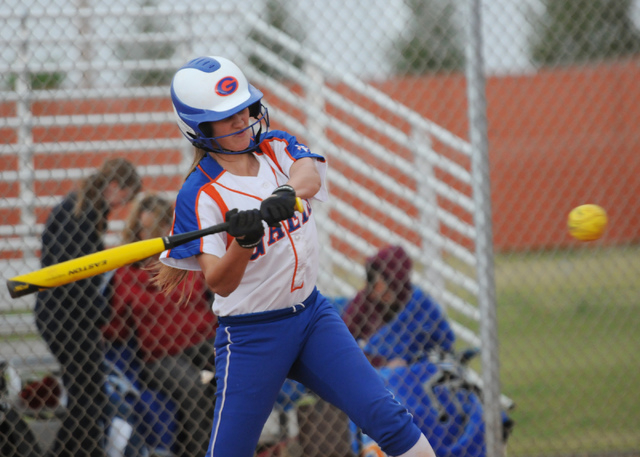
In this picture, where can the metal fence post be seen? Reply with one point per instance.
(477, 106)
(26, 169)
(316, 127)
(431, 253)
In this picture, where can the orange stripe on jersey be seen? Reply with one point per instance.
(199, 167)
(295, 268)
(266, 148)
(238, 192)
(213, 193)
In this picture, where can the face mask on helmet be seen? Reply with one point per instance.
(209, 89)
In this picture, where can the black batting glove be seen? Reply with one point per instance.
(278, 206)
(245, 226)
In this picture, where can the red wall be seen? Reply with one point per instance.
(557, 139)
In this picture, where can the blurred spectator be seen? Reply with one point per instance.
(398, 325)
(69, 317)
(173, 342)
(393, 320)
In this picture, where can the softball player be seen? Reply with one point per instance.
(274, 323)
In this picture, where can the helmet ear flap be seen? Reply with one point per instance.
(206, 128)
(254, 110)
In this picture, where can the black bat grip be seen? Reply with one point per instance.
(171, 242)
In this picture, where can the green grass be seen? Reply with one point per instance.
(569, 332)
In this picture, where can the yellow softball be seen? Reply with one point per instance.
(587, 222)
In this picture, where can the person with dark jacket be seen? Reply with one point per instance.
(69, 317)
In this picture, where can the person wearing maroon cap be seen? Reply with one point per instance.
(394, 321)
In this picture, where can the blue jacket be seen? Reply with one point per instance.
(420, 327)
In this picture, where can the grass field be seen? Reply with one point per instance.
(569, 331)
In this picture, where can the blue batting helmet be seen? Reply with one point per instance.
(209, 89)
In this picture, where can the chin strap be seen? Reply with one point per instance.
(244, 151)
(207, 143)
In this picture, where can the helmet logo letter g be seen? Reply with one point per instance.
(226, 86)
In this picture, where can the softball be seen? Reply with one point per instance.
(587, 222)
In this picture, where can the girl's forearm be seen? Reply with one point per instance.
(223, 274)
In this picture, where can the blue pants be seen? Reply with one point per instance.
(308, 343)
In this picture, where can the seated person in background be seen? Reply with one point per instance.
(398, 325)
(394, 321)
(173, 341)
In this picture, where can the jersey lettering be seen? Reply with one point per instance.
(258, 251)
(306, 213)
(293, 224)
(277, 233)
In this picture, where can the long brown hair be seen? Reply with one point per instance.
(91, 190)
(166, 277)
(162, 211)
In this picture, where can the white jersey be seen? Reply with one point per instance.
(284, 266)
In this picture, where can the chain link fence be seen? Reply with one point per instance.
(382, 89)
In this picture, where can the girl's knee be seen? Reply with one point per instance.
(422, 448)
(391, 426)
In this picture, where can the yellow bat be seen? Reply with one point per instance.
(103, 261)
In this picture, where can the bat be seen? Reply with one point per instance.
(106, 260)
